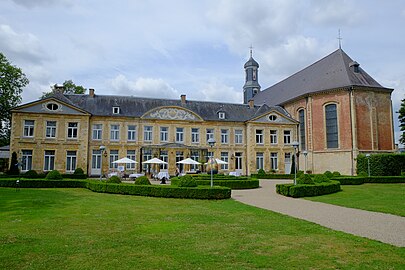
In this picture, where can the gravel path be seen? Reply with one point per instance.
(386, 228)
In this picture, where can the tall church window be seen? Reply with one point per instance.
(331, 126)
(301, 116)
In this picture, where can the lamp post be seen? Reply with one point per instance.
(295, 145)
(368, 164)
(102, 149)
(305, 152)
(211, 142)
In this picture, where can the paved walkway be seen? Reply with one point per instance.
(386, 228)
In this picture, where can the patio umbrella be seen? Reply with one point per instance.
(219, 162)
(189, 161)
(154, 161)
(125, 160)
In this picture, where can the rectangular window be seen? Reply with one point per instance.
(179, 135)
(273, 136)
(332, 135)
(97, 131)
(113, 157)
(131, 154)
(259, 160)
(238, 161)
(194, 155)
(221, 115)
(72, 130)
(209, 154)
(287, 157)
(274, 161)
(224, 136)
(96, 159)
(238, 136)
(115, 133)
(50, 129)
(301, 116)
(259, 136)
(195, 135)
(26, 160)
(147, 133)
(224, 157)
(164, 134)
(116, 110)
(287, 136)
(131, 133)
(49, 160)
(164, 156)
(179, 156)
(147, 154)
(29, 128)
(210, 133)
(71, 161)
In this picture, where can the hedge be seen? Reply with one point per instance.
(273, 176)
(230, 183)
(130, 189)
(381, 164)
(355, 180)
(201, 192)
(297, 191)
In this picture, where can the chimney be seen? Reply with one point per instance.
(58, 88)
(183, 99)
(91, 92)
(251, 103)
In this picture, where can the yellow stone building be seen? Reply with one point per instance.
(65, 132)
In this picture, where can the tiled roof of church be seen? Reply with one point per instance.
(101, 105)
(336, 70)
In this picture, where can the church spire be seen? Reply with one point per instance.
(251, 87)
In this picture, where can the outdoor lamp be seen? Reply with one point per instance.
(295, 145)
(211, 143)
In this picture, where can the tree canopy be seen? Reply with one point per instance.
(401, 119)
(12, 82)
(69, 87)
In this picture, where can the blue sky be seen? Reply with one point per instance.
(198, 48)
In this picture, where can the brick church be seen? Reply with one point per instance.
(333, 108)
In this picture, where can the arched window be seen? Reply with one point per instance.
(332, 133)
(301, 116)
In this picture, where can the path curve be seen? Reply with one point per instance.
(386, 228)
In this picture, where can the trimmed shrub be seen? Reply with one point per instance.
(350, 180)
(328, 174)
(235, 183)
(321, 178)
(305, 179)
(187, 181)
(31, 174)
(261, 172)
(79, 171)
(13, 165)
(297, 191)
(54, 175)
(273, 176)
(381, 164)
(336, 174)
(114, 179)
(356, 180)
(74, 176)
(142, 180)
(41, 183)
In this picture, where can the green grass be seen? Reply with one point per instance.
(80, 229)
(385, 198)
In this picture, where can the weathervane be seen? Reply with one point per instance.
(251, 49)
(340, 40)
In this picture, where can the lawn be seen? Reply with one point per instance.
(80, 229)
(385, 198)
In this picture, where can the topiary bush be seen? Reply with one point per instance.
(143, 180)
(260, 173)
(297, 191)
(321, 178)
(54, 175)
(31, 174)
(336, 174)
(381, 164)
(328, 174)
(79, 171)
(13, 165)
(114, 179)
(187, 181)
(305, 179)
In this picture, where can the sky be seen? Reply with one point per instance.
(166, 48)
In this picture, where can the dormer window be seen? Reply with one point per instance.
(221, 115)
(52, 106)
(116, 110)
(272, 117)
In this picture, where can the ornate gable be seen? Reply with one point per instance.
(275, 118)
(172, 113)
(50, 106)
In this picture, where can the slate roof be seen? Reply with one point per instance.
(251, 62)
(101, 105)
(331, 72)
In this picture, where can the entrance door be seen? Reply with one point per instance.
(238, 162)
(96, 162)
(179, 157)
(287, 163)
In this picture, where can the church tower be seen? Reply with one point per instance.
(251, 87)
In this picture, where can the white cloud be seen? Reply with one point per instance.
(142, 87)
(218, 91)
(334, 12)
(41, 3)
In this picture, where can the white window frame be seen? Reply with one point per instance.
(131, 133)
(210, 133)
(273, 136)
(71, 161)
(49, 160)
(221, 115)
(72, 131)
(259, 160)
(238, 136)
(287, 136)
(131, 154)
(29, 128)
(26, 160)
(113, 157)
(274, 161)
(224, 136)
(195, 135)
(179, 134)
(114, 132)
(259, 136)
(116, 110)
(50, 131)
(224, 157)
(147, 133)
(97, 132)
(164, 134)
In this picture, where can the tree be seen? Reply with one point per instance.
(69, 87)
(12, 81)
(401, 118)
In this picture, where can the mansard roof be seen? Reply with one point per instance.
(337, 70)
(130, 106)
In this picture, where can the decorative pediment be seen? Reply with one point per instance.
(274, 118)
(50, 106)
(172, 113)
